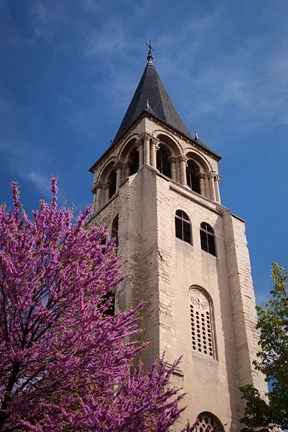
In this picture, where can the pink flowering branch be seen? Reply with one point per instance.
(65, 363)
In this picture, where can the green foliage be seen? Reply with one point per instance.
(272, 360)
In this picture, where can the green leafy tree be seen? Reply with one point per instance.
(260, 415)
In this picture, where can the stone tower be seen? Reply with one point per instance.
(156, 190)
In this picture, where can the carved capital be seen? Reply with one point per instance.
(147, 136)
(172, 159)
(212, 174)
(139, 144)
(96, 185)
(202, 175)
(118, 165)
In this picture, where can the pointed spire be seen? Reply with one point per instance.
(149, 56)
(151, 96)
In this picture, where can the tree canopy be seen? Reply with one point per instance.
(272, 361)
(66, 364)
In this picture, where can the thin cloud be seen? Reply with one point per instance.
(40, 181)
(107, 40)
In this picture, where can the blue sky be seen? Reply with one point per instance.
(69, 70)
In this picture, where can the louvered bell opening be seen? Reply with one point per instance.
(178, 228)
(193, 180)
(134, 162)
(211, 244)
(163, 164)
(204, 240)
(186, 232)
(112, 184)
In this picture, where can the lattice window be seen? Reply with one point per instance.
(201, 323)
(183, 226)
(192, 174)
(163, 163)
(133, 161)
(208, 422)
(207, 237)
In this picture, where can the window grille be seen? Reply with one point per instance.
(201, 323)
(163, 164)
(207, 237)
(133, 161)
(207, 419)
(183, 226)
(192, 174)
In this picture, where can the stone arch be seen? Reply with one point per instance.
(202, 322)
(170, 143)
(126, 148)
(108, 167)
(108, 178)
(200, 160)
(197, 169)
(206, 419)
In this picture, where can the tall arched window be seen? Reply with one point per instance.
(202, 325)
(192, 174)
(207, 237)
(114, 232)
(112, 183)
(206, 419)
(163, 164)
(183, 226)
(133, 161)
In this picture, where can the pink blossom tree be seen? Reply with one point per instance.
(65, 363)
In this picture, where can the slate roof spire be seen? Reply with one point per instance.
(151, 89)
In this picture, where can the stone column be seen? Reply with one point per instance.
(140, 153)
(118, 175)
(206, 185)
(183, 162)
(97, 190)
(217, 190)
(202, 183)
(211, 176)
(106, 193)
(146, 149)
(153, 149)
(125, 171)
(172, 160)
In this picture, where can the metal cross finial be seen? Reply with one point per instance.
(149, 56)
(149, 45)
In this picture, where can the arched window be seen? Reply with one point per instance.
(207, 237)
(183, 226)
(163, 164)
(202, 326)
(114, 232)
(112, 183)
(133, 161)
(192, 174)
(206, 419)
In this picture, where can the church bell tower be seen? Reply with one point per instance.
(156, 189)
